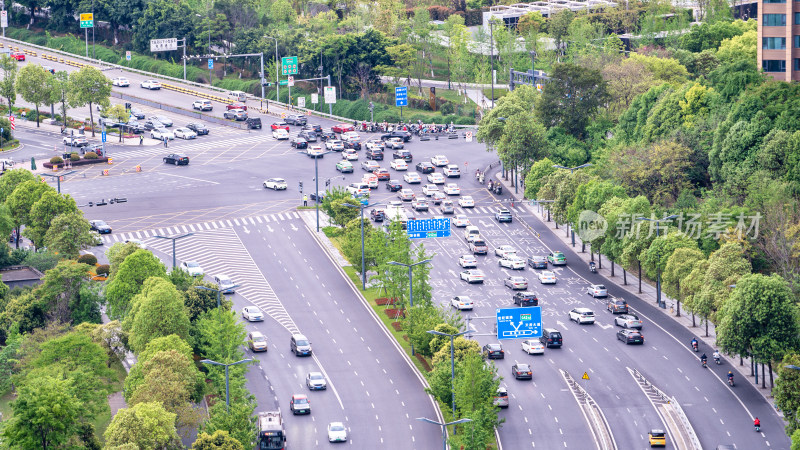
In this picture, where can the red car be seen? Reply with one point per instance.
(19, 56)
(237, 105)
(342, 128)
(278, 125)
(382, 174)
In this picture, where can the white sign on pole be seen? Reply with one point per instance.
(290, 81)
(301, 102)
(468, 135)
(315, 98)
(4, 18)
(163, 45)
(128, 55)
(330, 94)
(494, 76)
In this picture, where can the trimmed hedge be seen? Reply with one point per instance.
(87, 258)
(103, 269)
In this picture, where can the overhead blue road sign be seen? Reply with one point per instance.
(428, 228)
(104, 135)
(401, 96)
(514, 323)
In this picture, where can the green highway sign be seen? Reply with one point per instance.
(283, 82)
(289, 65)
(87, 20)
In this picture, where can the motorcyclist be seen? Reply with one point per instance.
(716, 356)
(757, 424)
(704, 359)
(490, 185)
(730, 377)
(694, 343)
(592, 266)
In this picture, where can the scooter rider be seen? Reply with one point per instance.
(694, 344)
(730, 378)
(757, 424)
(704, 359)
(592, 267)
(716, 356)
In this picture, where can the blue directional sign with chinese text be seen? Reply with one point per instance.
(401, 96)
(515, 323)
(428, 228)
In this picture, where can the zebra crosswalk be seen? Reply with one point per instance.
(219, 251)
(200, 227)
(192, 146)
(478, 210)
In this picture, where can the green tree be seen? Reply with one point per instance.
(146, 425)
(69, 233)
(220, 440)
(44, 210)
(572, 97)
(239, 420)
(655, 258)
(127, 281)
(117, 254)
(475, 386)
(525, 142)
(626, 80)
(536, 176)
(118, 114)
(21, 201)
(89, 86)
(156, 311)
(13, 178)
(199, 301)
(45, 414)
(462, 348)
(33, 84)
(221, 338)
(59, 90)
(787, 393)
(558, 26)
(69, 295)
(725, 267)
(679, 265)
(8, 84)
(417, 322)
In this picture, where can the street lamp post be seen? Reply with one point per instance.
(218, 291)
(410, 284)
(661, 304)
(173, 239)
(227, 387)
(58, 177)
(452, 362)
(362, 206)
(444, 427)
(277, 76)
(491, 55)
(316, 181)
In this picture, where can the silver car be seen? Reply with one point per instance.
(597, 290)
(316, 381)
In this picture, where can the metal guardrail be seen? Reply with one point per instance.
(181, 111)
(687, 425)
(599, 423)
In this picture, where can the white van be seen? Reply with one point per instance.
(237, 96)
(471, 232)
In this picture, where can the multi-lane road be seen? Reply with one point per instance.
(260, 239)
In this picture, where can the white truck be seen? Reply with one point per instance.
(396, 212)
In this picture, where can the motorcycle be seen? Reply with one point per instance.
(758, 428)
(705, 364)
(592, 267)
(716, 360)
(730, 381)
(694, 345)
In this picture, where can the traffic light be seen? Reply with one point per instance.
(301, 187)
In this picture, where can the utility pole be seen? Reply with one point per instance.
(491, 54)
(262, 75)
(330, 105)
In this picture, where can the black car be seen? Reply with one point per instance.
(393, 185)
(179, 159)
(308, 135)
(630, 337)
(317, 128)
(198, 128)
(374, 154)
(493, 351)
(405, 155)
(299, 142)
(152, 124)
(100, 226)
(405, 135)
(425, 167)
(325, 135)
(617, 306)
(377, 215)
(253, 123)
(138, 113)
(133, 127)
(355, 145)
(525, 299)
(295, 119)
(521, 371)
(317, 197)
(537, 262)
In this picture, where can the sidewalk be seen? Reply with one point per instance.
(632, 287)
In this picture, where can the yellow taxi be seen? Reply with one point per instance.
(657, 438)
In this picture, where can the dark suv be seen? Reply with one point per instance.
(404, 135)
(253, 123)
(493, 351)
(551, 338)
(402, 154)
(308, 135)
(377, 215)
(295, 119)
(525, 299)
(617, 306)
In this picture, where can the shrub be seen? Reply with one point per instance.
(465, 121)
(388, 116)
(447, 108)
(439, 12)
(102, 269)
(56, 160)
(90, 155)
(74, 156)
(88, 258)
(41, 260)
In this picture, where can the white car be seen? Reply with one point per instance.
(461, 221)
(150, 84)
(350, 136)
(276, 184)
(161, 133)
(582, 315)
(440, 160)
(503, 251)
(315, 151)
(452, 171)
(374, 145)
(193, 268)
(452, 189)
(472, 276)
(468, 261)
(429, 189)
(547, 277)
(252, 314)
(628, 321)
(435, 178)
(120, 82)
(337, 432)
(412, 178)
(597, 290)
(394, 143)
(334, 145)
(533, 347)
(466, 202)
(369, 166)
(405, 195)
(461, 302)
(399, 164)
(184, 133)
(513, 262)
(280, 134)
(350, 155)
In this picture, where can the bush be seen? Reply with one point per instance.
(88, 258)
(90, 155)
(103, 269)
(74, 156)
(56, 160)
(447, 108)
(465, 121)
(41, 261)
(440, 12)
(387, 116)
